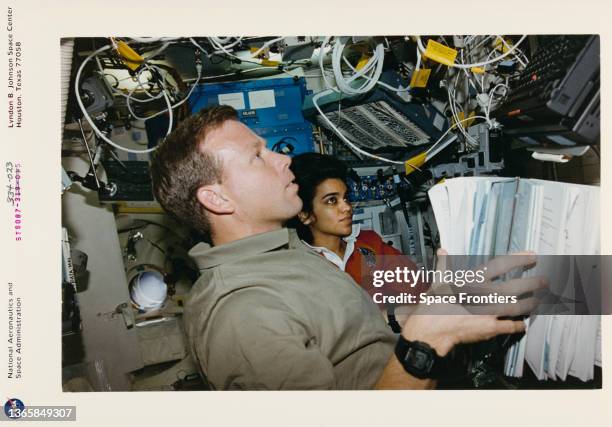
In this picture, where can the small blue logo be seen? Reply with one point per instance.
(369, 256)
(13, 408)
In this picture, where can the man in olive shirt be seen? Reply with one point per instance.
(266, 313)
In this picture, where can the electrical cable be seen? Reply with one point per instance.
(507, 46)
(353, 147)
(373, 67)
(452, 101)
(199, 47)
(91, 160)
(223, 41)
(284, 140)
(480, 43)
(430, 149)
(467, 75)
(139, 85)
(113, 76)
(491, 94)
(199, 68)
(239, 59)
(90, 120)
(153, 39)
(383, 84)
(524, 60)
(235, 73)
(321, 57)
(129, 97)
(341, 135)
(220, 47)
(149, 55)
(163, 93)
(371, 71)
(266, 45)
(421, 47)
(229, 53)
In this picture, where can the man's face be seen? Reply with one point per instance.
(256, 180)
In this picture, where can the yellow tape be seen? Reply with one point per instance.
(440, 53)
(477, 70)
(415, 162)
(362, 62)
(265, 54)
(420, 77)
(268, 63)
(130, 57)
(468, 122)
(499, 45)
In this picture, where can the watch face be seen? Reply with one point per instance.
(419, 359)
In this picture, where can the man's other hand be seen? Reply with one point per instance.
(443, 327)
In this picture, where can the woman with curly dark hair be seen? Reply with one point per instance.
(325, 223)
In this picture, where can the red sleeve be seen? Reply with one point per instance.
(372, 253)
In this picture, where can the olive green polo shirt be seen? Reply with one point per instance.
(267, 313)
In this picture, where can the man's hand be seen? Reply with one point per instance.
(443, 332)
(443, 327)
(455, 325)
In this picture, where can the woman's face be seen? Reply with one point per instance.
(332, 214)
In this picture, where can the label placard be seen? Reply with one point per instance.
(440, 53)
(420, 77)
(235, 100)
(262, 99)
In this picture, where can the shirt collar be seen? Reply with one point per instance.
(207, 256)
(332, 256)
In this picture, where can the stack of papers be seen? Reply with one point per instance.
(497, 216)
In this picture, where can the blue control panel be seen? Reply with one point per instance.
(272, 108)
(370, 188)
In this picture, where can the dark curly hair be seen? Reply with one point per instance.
(310, 170)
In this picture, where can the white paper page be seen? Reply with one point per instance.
(510, 360)
(535, 223)
(535, 353)
(503, 220)
(515, 357)
(591, 240)
(582, 201)
(523, 210)
(479, 220)
(577, 202)
(494, 206)
(438, 196)
(568, 347)
(461, 194)
(556, 332)
(519, 359)
(586, 343)
(553, 211)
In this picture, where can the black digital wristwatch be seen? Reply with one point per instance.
(418, 359)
